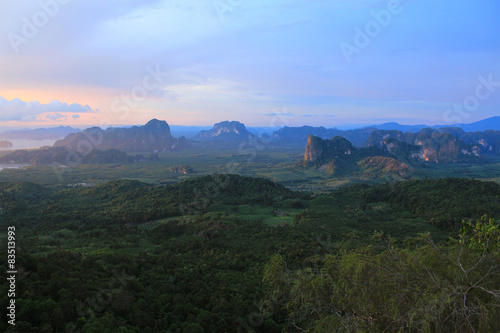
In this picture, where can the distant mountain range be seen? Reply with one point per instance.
(95, 145)
(53, 133)
(298, 135)
(358, 137)
(439, 144)
(492, 123)
(286, 135)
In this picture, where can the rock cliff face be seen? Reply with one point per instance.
(319, 150)
(229, 131)
(428, 145)
(378, 137)
(488, 141)
(314, 148)
(155, 136)
(338, 156)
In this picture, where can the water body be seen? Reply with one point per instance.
(24, 144)
(28, 144)
(12, 166)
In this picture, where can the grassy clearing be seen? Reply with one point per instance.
(277, 221)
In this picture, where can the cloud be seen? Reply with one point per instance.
(55, 116)
(264, 53)
(162, 94)
(17, 109)
(75, 116)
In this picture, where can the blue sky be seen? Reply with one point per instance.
(265, 63)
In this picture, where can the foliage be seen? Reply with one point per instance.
(199, 255)
(382, 287)
(481, 236)
(443, 201)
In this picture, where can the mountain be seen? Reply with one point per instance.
(227, 131)
(40, 133)
(442, 147)
(321, 151)
(339, 156)
(297, 135)
(399, 127)
(388, 152)
(487, 141)
(431, 145)
(155, 136)
(492, 123)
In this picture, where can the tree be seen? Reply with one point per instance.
(483, 235)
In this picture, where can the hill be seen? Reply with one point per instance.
(111, 202)
(239, 254)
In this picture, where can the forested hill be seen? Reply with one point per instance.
(129, 201)
(442, 202)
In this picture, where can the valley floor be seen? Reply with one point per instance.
(143, 247)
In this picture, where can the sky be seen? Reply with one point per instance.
(270, 63)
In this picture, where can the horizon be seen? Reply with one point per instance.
(284, 63)
(198, 127)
